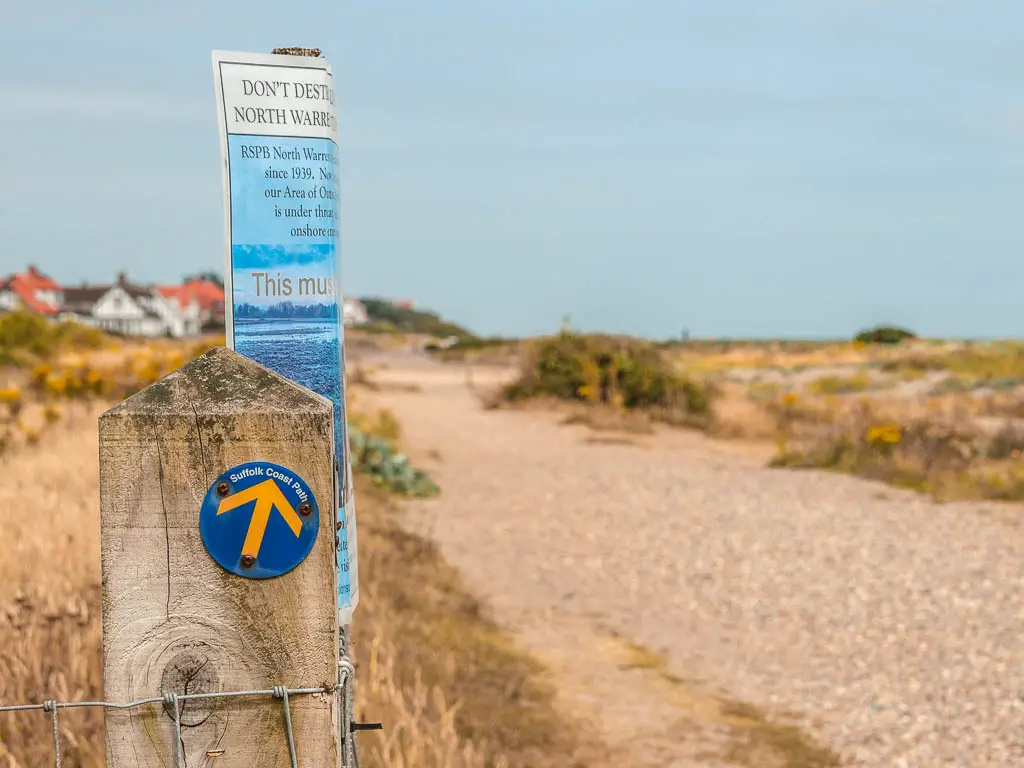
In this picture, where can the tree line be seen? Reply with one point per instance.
(288, 309)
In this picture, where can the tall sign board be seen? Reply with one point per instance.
(283, 302)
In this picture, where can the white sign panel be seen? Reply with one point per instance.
(279, 145)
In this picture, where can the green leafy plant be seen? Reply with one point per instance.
(376, 456)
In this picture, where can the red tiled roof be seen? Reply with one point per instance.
(209, 296)
(26, 287)
(177, 292)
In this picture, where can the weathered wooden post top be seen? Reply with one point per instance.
(218, 509)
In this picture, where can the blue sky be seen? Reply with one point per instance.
(270, 257)
(745, 168)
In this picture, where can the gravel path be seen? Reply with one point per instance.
(894, 624)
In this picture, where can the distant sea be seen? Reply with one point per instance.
(305, 351)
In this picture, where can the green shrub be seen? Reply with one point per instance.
(407, 320)
(375, 455)
(379, 326)
(25, 333)
(884, 334)
(602, 369)
(470, 343)
(77, 336)
(1007, 442)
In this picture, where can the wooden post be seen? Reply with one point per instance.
(174, 620)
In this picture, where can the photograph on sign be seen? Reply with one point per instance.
(279, 144)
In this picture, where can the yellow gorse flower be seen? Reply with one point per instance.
(57, 383)
(40, 374)
(10, 395)
(884, 434)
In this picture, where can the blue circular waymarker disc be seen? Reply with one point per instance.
(259, 520)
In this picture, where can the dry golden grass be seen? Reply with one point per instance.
(936, 447)
(817, 401)
(607, 419)
(976, 360)
(450, 687)
(50, 594)
(826, 405)
(840, 385)
(738, 416)
(1005, 404)
(774, 354)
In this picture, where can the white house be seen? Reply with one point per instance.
(130, 310)
(31, 290)
(180, 312)
(353, 312)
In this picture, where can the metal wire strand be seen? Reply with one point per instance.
(175, 700)
(350, 716)
(282, 693)
(156, 699)
(172, 699)
(51, 706)
(346, 675)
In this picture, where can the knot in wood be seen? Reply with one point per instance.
(190, 672)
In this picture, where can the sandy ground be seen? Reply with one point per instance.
(890, 627)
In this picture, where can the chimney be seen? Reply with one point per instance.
(33, 271)
(122, 278)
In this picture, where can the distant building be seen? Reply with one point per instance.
(31, 290)
(203, 299)
(122, 308)
(353, 312)
(132, 310)
(195, 306)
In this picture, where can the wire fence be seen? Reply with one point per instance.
(174, 701)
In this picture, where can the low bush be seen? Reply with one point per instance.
(946, 457)
(623, 373)
(1008, 442)
(384, 314)
(884, 334)
(374, 456)
(24, 335)
(467, 344)
(374, 451)
(24, 331)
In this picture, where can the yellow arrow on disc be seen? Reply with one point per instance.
(267, 496)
